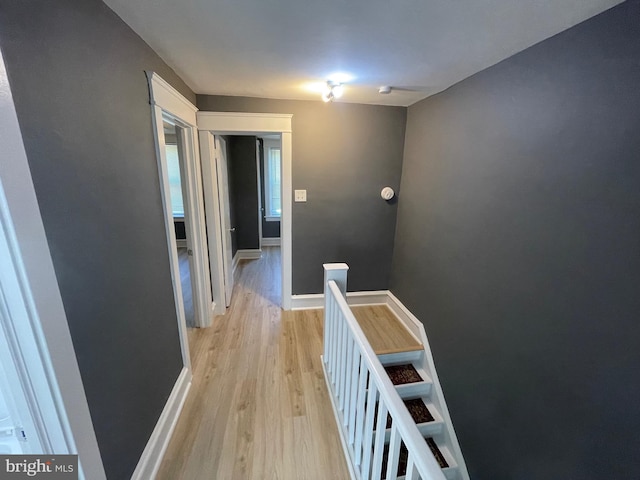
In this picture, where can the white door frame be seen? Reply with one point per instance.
(33, 316)
(260, 205)
(233, 123)
(167, 101)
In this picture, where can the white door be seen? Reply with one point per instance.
(225, 216)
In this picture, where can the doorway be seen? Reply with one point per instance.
(212, 124)
(172, 111)
(174, 154)
(248, 168)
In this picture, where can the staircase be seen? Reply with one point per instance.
(414, 395)
(415, 388)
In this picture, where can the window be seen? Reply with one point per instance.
(173, 166)
(273, 207)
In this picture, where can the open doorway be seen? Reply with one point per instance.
(174, 154)
(214, 125)
(249, 189)
(174, 115)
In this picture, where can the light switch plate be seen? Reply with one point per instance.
(300, 196)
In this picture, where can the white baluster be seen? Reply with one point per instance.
(330, 315)
(347, 376)
(334, 339)
(394, 453)
(355, 368)
(412, 471)
(360, 411)
(340, 347)
(367, 444)
(378, 450)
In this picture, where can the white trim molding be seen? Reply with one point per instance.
(249, 254)
(171, 101)
(354, 299)
(234, 123)
(246, 254)
(230, 123)
(151, 457)
(270, 241)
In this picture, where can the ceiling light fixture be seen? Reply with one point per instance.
(332, 91)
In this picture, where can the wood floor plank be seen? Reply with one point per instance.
(258, 407)
(384, 331)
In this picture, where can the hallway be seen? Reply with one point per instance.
(258, 407)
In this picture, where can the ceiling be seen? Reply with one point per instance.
(289, 48)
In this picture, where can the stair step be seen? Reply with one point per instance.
(414, 390)
(450, 471)
(428, 423)
(419, 411)
(437, 453)
(400, 358)
(403, 374)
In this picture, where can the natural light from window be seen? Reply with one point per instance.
(273, 207)
(173, 165)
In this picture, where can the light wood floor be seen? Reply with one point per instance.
(384, 331)
(258, 407)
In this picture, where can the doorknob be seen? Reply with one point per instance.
(190, 252)
(232, 229)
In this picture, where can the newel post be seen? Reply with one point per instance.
(338, 273)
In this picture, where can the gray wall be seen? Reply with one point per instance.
(77, 75)
(518, 246)
(243, 191)
(343, 154)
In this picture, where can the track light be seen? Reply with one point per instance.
(332, 91)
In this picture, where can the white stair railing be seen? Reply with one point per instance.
(363, 396)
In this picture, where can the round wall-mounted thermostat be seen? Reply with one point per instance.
(387, 193)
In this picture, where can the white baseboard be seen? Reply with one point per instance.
(307, 302)
(249, 254)
(316, 300)
(405, 316)
(151, 457)
(246, 254)
(271, 242)
(367, 297)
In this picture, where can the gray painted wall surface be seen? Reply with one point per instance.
(77, 75)
(343, 154)
(518, 246)
(243, 194)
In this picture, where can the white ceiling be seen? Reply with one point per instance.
(286, 48)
